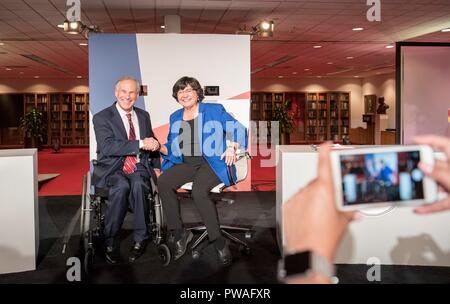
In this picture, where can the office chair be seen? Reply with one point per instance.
(241, 164)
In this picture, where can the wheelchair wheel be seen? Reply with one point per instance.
(164, 254)
(88, 262)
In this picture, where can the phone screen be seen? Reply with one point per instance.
(381, 177)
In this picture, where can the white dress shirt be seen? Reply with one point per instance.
(126, 124)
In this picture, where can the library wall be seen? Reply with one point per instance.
(352, 85)
(382, 85)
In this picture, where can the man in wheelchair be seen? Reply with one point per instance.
(127, 158)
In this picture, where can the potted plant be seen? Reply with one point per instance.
(34, 127)
(285, 119)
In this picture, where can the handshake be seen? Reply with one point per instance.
(151, 144)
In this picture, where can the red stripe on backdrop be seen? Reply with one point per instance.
(71, 164)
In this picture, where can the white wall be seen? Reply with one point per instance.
(352, 85)
(43, 85)
(382, 85)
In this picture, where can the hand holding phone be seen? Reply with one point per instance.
(382, 176)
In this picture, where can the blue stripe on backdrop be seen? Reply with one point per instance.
(111, 56)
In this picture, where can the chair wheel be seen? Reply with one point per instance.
(195, 254)
(164, 254)
(88, 262)
(248, 234)
(245, 249)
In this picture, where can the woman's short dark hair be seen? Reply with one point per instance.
(183, 82)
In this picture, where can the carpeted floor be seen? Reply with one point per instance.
(73, 163)
(253, 209)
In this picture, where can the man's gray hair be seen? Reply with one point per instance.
(123, 78)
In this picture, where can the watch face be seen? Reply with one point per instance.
(297, 263)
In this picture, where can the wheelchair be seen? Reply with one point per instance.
(92, 220)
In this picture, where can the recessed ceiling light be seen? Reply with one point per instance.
(60, 25)
(1, 43)
(294, 73)
(280, 76)
(8, 69)
(357, 29)
(390, 46)
(83, 44)
(36, 76)
(306, 70)
(20, 72)
(319, 76)
(349, 57)
(446, 30)
(329, 62)
(163, 26)
(79, 76)
(378, 73)
(317, 46)
(356, 76)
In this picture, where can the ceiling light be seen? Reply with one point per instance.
(280, 76)
(446, 30)
(329, 62)
(349, 57)
(79, 77)
(1, 43)
(264, 28)
(294, 73)
(73, 27)
(60, 26)
(390, 46)
(306, 70)
(319, 76)
(20, 72)
(83, 44)
(356, 76)
(357, 29)
(163, 26)
(36, 77)
(77, 27)
(317, 46)
(8, 69)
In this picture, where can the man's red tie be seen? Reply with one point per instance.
(130, 162)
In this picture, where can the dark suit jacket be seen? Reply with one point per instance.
(113, 144)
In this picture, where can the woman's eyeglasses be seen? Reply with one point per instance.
(186, 91)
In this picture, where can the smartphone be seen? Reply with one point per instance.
(382, 176)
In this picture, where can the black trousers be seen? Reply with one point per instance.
(128, 191)
(204, 179)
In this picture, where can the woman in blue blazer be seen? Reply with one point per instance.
(201, 147)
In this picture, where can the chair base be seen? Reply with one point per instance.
(198, 245)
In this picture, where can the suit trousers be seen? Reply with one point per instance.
(128, 191)
(204, 179)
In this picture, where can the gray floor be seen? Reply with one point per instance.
(251, 209)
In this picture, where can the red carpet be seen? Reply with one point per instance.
(263, 171)
(71, 164)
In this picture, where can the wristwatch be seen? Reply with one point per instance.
(303, 264)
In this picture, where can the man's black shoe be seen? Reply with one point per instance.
(112, 255)
(181, 244)
(224, 255)
(136, 251)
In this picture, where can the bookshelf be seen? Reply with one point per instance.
(318, 116)
(67, 115)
